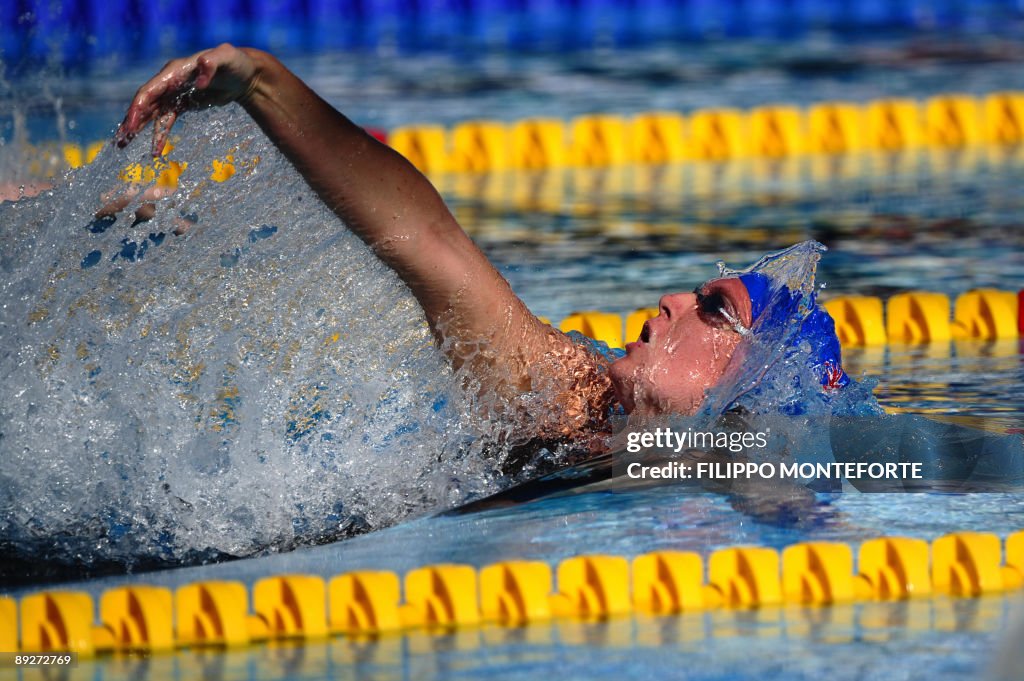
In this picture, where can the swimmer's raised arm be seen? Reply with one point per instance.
(377, 192)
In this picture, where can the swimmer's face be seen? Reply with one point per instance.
(684, 350)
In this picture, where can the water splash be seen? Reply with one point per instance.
(772, 370)
(262, 381)
(793, 268)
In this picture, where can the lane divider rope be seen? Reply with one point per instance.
(946, 121)
(913, 317)
(440, 598)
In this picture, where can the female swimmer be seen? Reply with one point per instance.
(477, 320)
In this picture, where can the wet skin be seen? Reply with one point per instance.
(683, 351)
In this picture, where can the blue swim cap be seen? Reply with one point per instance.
(774, 306)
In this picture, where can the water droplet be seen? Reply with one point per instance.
(230, 259)
(264, 232)
(91, 259)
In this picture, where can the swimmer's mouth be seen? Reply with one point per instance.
(645, 333)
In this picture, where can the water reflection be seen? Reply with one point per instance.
(745, 642)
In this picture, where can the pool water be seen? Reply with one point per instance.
(937, 638)
(609, 240)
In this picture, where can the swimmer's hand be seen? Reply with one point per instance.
(212, 77)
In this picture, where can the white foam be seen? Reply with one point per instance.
(236, 388)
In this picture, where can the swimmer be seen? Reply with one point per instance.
(477, 320)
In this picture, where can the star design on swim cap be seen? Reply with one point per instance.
(834, 376)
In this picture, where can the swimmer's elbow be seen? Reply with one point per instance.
(424, 244)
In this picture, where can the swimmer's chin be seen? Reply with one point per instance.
(636, 403)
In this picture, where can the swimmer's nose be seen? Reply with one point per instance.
(675, 304)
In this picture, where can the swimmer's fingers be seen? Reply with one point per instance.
(153, 99)
(208, 78)
(162, 129)
(117, 200)
(195, 91)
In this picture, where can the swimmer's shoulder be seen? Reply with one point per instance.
(599, 349)
(592, 382)
(568, 395)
